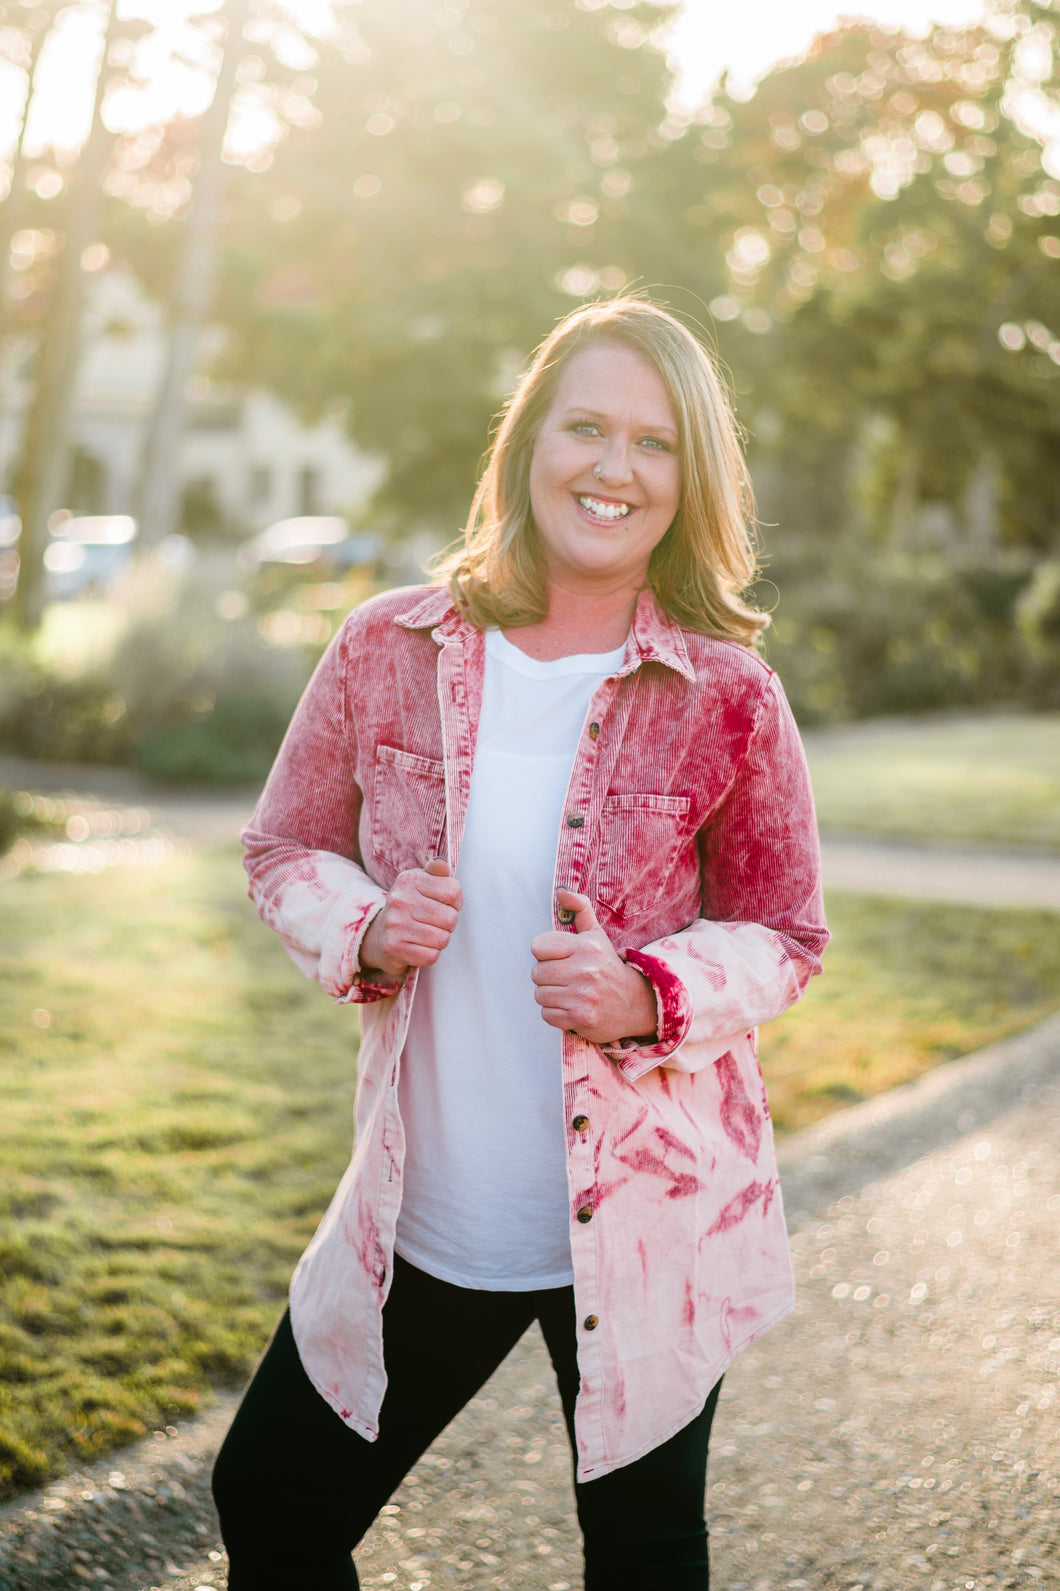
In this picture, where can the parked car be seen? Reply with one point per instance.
(321, 539)
(86, 553)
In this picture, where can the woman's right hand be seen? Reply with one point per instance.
(416, 922)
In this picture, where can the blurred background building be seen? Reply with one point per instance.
(246, 458)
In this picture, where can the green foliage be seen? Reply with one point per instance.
(875, 633)
(187, 695)
(1038, 617)
(872, 227)
(895, 307)
(463, 162)
(47, 715)
(874, 231)
(235, 744)
(209, 699)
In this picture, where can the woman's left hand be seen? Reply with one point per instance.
(584, 986)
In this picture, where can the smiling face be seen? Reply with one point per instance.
(605, 478)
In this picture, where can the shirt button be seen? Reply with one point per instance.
(585, 1214)
(574, 820)
(565, 914)
(594, 731)
(591, 1322)
(580, 1123)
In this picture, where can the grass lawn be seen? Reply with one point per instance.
(176, 1114)
(907, 984)
(167, 1144)
(984, 780)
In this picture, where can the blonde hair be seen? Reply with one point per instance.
(707, 557)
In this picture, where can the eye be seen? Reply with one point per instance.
(655, 444)
(585, 428)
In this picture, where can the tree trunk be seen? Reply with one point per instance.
(14, 206)
(42, 471)
(159, 497)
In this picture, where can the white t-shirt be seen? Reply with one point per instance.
(485, 1201)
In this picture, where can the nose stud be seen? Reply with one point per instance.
(598, 470)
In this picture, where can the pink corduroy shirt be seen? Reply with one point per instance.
(689, 822)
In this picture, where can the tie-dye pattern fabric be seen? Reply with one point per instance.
(698, 847)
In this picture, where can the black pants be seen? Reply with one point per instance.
(297, 1489)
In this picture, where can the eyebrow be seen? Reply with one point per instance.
(597, 414)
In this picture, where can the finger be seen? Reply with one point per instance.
(408, 938)
(551, 975)
(423, 937)
(416, 883)
(435, 886)
(558, 1017)
(422, 956)
(552, 1000)
(554, 1015)
(582, 907)
(431, 913)
(552, 946)
(431, 900)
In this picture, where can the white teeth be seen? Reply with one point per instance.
(599, 510)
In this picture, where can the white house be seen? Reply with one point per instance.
(246, 460)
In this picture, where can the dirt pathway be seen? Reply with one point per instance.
(978, 877)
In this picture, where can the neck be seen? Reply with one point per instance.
(577, 622)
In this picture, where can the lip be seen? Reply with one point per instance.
(602, 497)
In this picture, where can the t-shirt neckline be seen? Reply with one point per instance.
(499, 647)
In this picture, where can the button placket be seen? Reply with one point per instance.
(573, 845)
(591, 773)
(572, 856)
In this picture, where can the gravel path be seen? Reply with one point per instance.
(898, 1432)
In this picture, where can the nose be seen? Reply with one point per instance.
(614, 467)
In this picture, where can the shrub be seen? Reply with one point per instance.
(44, 715)
(898, 635)
(235, 742)
(187, 695)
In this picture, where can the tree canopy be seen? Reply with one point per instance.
(870, 240)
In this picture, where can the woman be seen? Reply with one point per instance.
(559, 1112)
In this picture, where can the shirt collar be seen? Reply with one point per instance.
(654, 636)
(435, 608)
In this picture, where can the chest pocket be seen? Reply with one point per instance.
(408, 811)
(641, 837)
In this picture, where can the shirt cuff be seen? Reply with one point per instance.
(674, 1008)
(351, 984)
